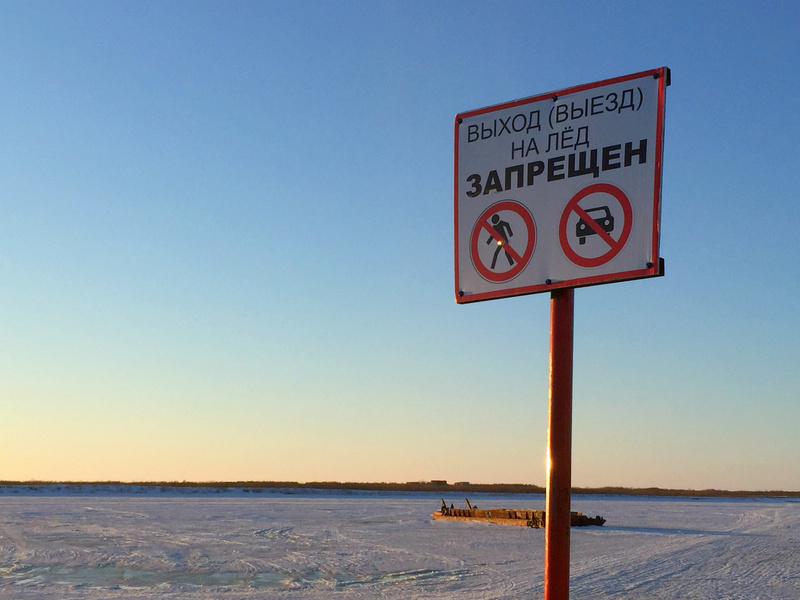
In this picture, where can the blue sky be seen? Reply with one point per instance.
(226, 246)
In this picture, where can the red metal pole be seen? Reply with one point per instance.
(559, 446)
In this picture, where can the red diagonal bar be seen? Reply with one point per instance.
(595, 226)
(499, 238)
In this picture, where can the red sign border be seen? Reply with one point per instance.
(655, 267)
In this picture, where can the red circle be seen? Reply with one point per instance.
(614, 249)
(483, 223)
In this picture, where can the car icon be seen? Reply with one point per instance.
(602, 216)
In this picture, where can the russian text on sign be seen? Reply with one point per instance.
(578, 164)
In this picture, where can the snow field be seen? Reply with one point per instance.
(387, 546)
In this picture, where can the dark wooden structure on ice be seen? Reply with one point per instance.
(510, 516)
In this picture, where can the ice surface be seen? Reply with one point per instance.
(85, 543)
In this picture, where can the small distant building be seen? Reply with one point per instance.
(438, 482)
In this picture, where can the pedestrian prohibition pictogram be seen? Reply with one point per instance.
(502, 241)
(595, 225)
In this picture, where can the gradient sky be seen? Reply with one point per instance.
(226, 246)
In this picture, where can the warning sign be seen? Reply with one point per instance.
(561, 189)
(503, 241)
(595, 225)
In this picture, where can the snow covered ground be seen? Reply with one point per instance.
(100, 543)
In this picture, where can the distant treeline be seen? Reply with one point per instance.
(708, 493)
(420, 486)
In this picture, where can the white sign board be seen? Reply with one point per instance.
(561, 189)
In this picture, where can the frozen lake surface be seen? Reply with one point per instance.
(170, 544)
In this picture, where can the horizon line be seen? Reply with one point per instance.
(426, 486)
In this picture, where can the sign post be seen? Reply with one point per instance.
(554, 192)
(559, 447)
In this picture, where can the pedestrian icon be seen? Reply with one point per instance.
(507, 227)
(603, 218)
(503, 230)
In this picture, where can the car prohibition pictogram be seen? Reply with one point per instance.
(590, 215)
(502, 241)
